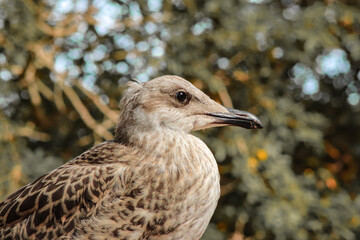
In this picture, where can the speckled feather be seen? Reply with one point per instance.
(154, 181)
(104, 193)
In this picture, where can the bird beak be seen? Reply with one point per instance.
(237, 118)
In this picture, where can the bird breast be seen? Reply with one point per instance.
(183, 186)
(172, 193)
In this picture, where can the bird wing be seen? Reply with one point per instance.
(52, 205)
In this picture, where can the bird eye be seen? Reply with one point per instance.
(181, 96)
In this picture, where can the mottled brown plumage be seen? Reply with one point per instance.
(154, 181)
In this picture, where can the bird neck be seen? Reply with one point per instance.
(170, 147)
(152, 140)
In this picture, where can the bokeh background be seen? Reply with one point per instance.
(293, 63)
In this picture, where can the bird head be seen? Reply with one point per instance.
(171, 102)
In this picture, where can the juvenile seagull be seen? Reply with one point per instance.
(153, 181)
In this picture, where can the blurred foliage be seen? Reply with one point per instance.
(294, 63)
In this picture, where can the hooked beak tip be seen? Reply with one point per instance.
(237, 118)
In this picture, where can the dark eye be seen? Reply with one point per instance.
(181, 96)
